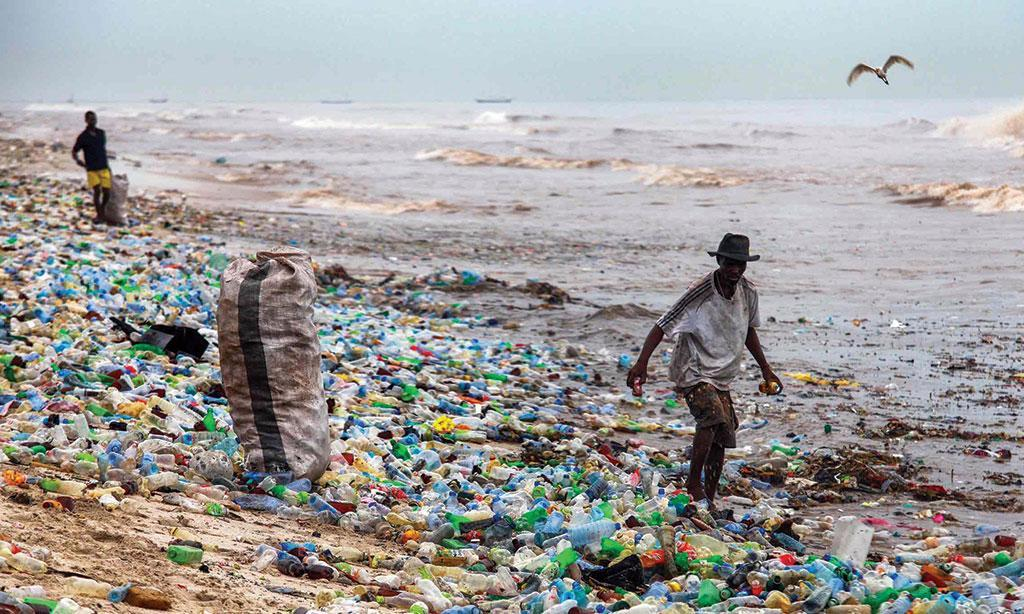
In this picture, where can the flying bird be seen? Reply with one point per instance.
(859, 69)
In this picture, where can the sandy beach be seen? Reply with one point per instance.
(901, 276)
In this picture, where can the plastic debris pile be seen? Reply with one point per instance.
(487, 467)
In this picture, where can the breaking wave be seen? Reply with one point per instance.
(324, 123)
(500, 117)
(233, 137)
(999, 199)
(671, 175)
(60, 107)
(914, 124)
(329, 198)
(471, 157)
(1003, 128)
(713, 146)
(772, 134)
(649, 174)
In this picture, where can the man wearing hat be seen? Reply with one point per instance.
(713, 321)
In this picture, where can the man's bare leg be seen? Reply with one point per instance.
(701, 448)
(103, 204)
(713, 471)
(97, 202)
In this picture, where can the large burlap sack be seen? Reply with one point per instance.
(113, 213)
(270, 362)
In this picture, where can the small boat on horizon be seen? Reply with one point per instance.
(158, 100)
(336, 101)
(494, 100)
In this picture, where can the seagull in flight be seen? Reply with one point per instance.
(859, 69)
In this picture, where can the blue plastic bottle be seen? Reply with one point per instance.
(262, 503)
(1011, 570)
(790, 544)
(591, 532)
(553, 525)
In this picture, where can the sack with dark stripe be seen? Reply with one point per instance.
(270, 362)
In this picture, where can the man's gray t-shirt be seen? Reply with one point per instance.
(710, 332)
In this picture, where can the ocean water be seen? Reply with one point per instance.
(418, 157)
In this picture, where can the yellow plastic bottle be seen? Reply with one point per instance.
(779, 601)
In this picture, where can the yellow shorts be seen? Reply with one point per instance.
(98, 178)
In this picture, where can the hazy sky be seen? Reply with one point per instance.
(529, 49)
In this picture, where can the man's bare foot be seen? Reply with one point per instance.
(696, 491)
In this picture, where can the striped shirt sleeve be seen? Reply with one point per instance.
(676, 320)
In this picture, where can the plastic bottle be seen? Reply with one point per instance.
(290, 565)
(90, 588)
(119, 593)
(26, 563)
(68, 606)
(899, 606)
(432, 595)
(263, 503)
(1010, 570)
(708, 594)
(591, 533)
(319, 571)
(318, 504)
(348, 554)
(790, 544)
(465, 609)
(945, 604)
(778, 600)
(553, 525)
(712, 545)
(265, 557)
(184, 555)
(165, 479)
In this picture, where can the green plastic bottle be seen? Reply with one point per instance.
(877, 599)
(708, 594)
(610, 548)
(787, 450)
(410, 392)
(49, 604)
(565, 558)
(920, 591)
(457, 521)
(527, 520)
(97, 410)
(184, 555)
(682, 561)
(679, 501)
(400, 450)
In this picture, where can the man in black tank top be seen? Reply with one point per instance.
(93, 143)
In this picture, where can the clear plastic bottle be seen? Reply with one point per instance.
(265, 557)
(27, 564)
(90, 588)
(591, 532)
